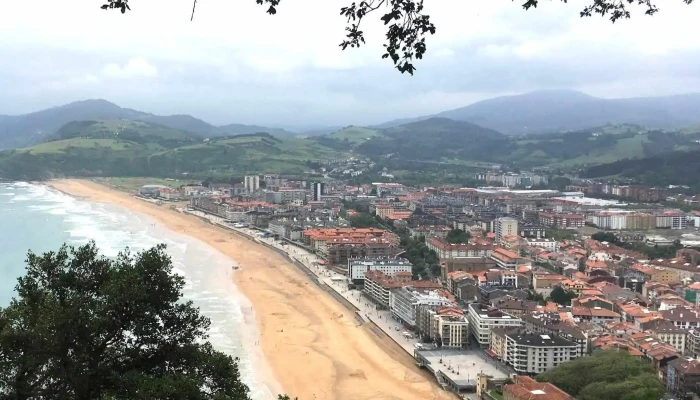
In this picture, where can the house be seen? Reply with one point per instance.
(526, 388)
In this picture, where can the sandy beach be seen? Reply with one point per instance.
(312, 344)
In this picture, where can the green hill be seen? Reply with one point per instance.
(135, 148)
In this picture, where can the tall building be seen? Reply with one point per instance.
(251, 183)
(319, 188)
(506, 226)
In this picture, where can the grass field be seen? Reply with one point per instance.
(60, 146)
(354, 134)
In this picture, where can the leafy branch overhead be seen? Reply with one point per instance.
(407, 25)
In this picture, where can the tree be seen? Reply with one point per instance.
(561, 296)
(86, 327)
(408, 27)
(456, 236)
(604, 237)
(606, 375)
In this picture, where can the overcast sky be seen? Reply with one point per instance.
(235, 63)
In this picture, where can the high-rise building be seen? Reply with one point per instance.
(319, 188)
(506, 226)
(251, 183)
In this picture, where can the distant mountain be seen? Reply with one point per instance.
(561, 110)
(23, 130)
(240, 129)
(431, 139)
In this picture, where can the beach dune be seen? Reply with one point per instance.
(314, 347)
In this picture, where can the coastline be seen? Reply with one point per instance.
(311, 348)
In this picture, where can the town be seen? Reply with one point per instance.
(488, 287)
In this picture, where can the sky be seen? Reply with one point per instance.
(236, 64)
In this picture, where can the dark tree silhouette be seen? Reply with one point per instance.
(85, 327)
(407, 25)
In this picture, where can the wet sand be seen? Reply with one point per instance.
(312, 352)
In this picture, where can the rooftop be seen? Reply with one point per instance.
(539, 340)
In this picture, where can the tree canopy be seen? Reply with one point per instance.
(85, 327)
(606, 375)
(562, 296)
(408, 25)
(456, 236)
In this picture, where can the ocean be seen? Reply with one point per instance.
(40, 219)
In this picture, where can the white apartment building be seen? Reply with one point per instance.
(482, 319)
(537, 353)
(404, 301)
(544, 243)
(357, 267)
(506, 226)
(251, 183)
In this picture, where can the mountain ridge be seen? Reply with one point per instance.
(31, 128)
(548, 111)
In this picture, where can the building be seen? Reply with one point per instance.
(378, 286)
(404, 302)
(448, 327)
(506, 226)
(562, 221)
(151, 190)
(357, 267)
(319, 189)
(504, 258)
(251, 183)
(526, 388)
(483, 318)
(465, 264)
(550, 245)
(683, 377)
(672, 220)
(444, 249)
(552, 324)
(534, 353)
(428, 231)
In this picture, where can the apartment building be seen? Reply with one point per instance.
(483, 318)
(682, 376)
(506, 226)
(544, 283)
(465, 264)
(358, 267)
(378, 286)
(672, 220)
(683, 317)
(552, 324)
(444, 249)
(504, 258)
(561, 220)
(535, 353)
(404, 302)
(550, 245)
(251, 183)
(448, 326)
(428, 231)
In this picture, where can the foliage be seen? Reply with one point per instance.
(678, 168)
(606, 375)
(87, 327)
(365, 220)
(604, 237)
(426, 263)
(408, 26)
(560, 234)
(457, 236)
(562, 296)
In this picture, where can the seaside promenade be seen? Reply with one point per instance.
(464, 365)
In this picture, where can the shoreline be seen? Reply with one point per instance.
(314, 348)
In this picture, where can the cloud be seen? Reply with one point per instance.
(235, 63)
(134, 68)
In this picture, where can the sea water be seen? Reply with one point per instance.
(40, 219)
